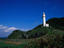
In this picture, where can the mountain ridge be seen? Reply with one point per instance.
(55, 23)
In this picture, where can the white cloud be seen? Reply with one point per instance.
(10, 29)
(7, 29)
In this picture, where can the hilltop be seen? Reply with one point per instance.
(39, 37)
(55, 23)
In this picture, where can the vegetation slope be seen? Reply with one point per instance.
(43, 37)
(55, 23)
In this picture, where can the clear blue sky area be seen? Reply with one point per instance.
(27, 14)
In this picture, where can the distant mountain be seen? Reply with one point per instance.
(55, 23)
(17, 34)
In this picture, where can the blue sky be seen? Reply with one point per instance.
(27, 14)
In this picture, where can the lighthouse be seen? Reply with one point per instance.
(44, 20)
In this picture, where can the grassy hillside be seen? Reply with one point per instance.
(17, 34)
(53, 39)
(55, 23)
(34, 33)
(42, 37)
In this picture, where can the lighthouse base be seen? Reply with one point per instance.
(47, 25)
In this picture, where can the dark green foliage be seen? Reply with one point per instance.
(37, 32)
(57, 23)
(17, 34)
(43, 37)
(53, 39)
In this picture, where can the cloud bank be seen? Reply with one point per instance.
(7, 29)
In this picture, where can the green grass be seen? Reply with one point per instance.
(4, 45)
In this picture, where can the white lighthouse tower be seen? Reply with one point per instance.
(44, 20)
